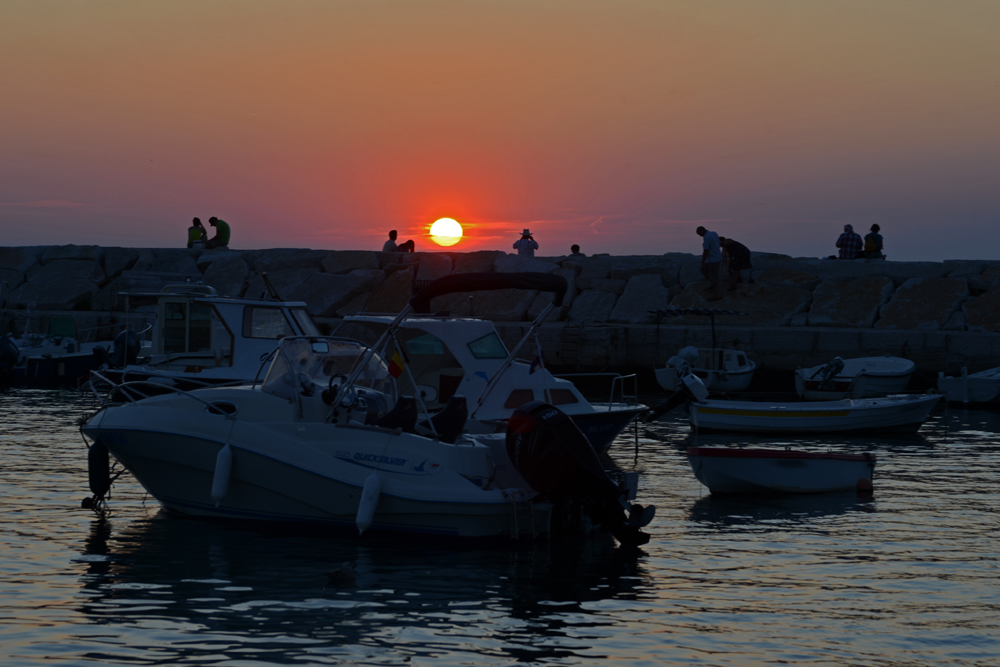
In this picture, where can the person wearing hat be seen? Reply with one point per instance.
(849, 243)
(526, 246)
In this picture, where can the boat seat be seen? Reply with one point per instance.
(449, 422)
(403, 415)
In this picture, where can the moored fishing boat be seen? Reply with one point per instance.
(732, 470)
(899, 413)
(981, 387)
(862, 377)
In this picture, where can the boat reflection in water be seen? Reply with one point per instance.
(776, 513)
(273, 584)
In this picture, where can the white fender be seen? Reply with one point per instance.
(220, 481)
(369, 500)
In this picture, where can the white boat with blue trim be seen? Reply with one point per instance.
(325, 440)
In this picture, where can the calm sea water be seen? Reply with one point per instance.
(908, 577)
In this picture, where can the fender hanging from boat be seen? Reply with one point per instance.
(369, 501)
(223, 469)
(98, 472)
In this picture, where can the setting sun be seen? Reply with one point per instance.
(446, 232)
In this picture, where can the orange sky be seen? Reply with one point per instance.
(618, 126)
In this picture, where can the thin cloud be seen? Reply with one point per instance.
(44, 203)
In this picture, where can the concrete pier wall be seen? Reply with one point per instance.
(796, 311)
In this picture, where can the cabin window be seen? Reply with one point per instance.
(488, 347)
(426, 344)
(187, 327)
(305, 322)
(562, 397)
(263, 322)
(519, 397)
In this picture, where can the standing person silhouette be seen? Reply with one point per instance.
(711, 261)
(526, 245)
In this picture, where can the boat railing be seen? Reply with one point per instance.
(619, 384)
(130, 392)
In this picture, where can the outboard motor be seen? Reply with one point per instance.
(691, 389)
(558, 461)
(8, 355)
(126, 349)
(829, 372)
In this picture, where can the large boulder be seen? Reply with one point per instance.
(433, 266)
(345, 261)
(923, 304)
(282, 259)
(543, 299)
(117, 260)
(986, 280)
(983, 312)
(206, 258)
(60, 285)
(323, 293)
(668, 267)
(12, 278)
(228, 275)
(177, 261)
(19, 259)
(590, 269)
(518, 264)
(90, 253)
(505, 305)
(392, 294)
(643, 293)
(765, 303)
(480, 261)
(592, 306)
(849, 303)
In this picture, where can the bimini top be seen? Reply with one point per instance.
(472, 282)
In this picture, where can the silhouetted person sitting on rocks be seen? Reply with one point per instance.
(405, 246)
(196, 234)
(221, 238)
(873, 244)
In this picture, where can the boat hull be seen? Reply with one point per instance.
(903, 413)
(981, 387)
(273, 477)
(604, 424)
(754, 471)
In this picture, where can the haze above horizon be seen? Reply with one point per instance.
(616, 126)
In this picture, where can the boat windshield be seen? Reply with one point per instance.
(301, 360)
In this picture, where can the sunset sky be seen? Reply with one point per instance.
(620, 126)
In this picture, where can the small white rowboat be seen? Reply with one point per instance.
(725, 470)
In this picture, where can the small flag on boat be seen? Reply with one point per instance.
(396, 365)
(536, 361)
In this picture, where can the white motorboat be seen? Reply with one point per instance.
(202, 339)
(980, 387)
(899, 413)
(316, 442)
(723, 370)
(441, 356)
(730, 470)
(864, 377)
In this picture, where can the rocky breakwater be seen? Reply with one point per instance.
(798, 311)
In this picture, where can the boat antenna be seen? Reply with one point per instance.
(270, 288)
